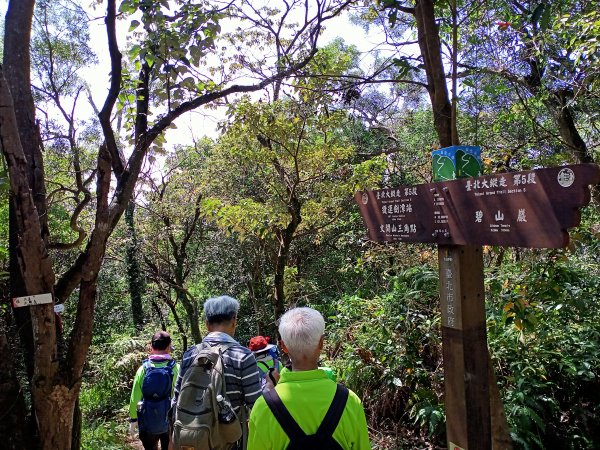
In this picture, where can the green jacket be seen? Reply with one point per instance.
(307, 396)
(136, 391)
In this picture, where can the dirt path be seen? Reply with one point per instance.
(133, 443)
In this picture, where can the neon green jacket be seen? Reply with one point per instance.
(307, 396)
(136, 391)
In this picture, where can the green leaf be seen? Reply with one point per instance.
(134, 25)
(404, 67)
(545, 22)
(149, 59)
(537, 13)
(134, 51)
(127, 7)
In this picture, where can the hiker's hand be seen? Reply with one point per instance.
(133, 428)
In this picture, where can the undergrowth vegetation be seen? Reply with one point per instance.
(388, 349)
(384, 342)
(543, 334)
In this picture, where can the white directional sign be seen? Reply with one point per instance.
(30, 300)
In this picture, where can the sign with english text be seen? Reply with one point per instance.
(518, 209)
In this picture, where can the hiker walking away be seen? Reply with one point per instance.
(267, 360)
(217, 384)
(306, 410)
(151, 394)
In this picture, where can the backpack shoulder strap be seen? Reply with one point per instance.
(221, 347)
(225, 346)
(218, 375)
(334, 413)
(264, 364)
(148, 365)
(283, 416)
(170, 366)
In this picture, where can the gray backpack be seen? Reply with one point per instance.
(196, 423)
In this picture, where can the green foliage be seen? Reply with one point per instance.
(544, 333)
(387, 348)
(60, 47)
(307, 157)
(102, 435)
(529, 82)
(580, 29)
(108, 379)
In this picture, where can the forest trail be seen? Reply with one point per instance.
(133, 443)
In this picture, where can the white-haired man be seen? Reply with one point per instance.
(242, 382)
(306, 410)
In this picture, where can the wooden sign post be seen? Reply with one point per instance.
(464, 347)
(520, 209)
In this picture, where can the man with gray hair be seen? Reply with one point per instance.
(306, 410)
(242, 383)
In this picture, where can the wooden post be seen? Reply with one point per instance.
(464, 333)
(464, 343)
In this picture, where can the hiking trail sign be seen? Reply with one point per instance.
(29, 300)
(518, 209)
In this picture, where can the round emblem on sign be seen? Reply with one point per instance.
(566, 177)
(365, 198)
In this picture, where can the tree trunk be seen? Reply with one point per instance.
(429, 43)
(557, 103)
(159, 313)
(55, 406)
(134, 275)
(77, 420)
(13, 426)
(17, 64)
(180, 327)
(191, 310)
(285, 241)
(36, 273)
(54, 390)
(279, 280)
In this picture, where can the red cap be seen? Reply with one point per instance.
(258, 343)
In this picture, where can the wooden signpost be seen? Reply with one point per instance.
(519, 209)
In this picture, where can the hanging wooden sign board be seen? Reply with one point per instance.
(518, 209)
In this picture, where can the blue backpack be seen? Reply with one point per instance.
(156, 398)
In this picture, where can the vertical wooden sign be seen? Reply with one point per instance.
(464, 345)
(464, 336)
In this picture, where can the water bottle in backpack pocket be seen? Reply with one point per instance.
(197, 425)
(156, 398)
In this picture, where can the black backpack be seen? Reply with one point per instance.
(323, 438)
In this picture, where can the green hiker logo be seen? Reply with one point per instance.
(468, 165)
(443, 168)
